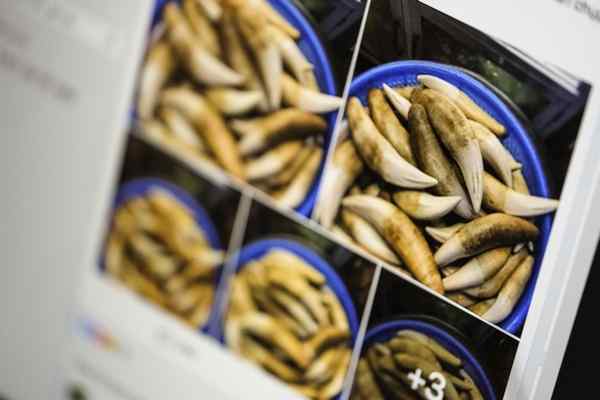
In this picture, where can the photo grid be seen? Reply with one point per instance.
(393, 256)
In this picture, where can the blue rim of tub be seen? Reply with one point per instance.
(517, 141)
(140, 188)
(259, 248)
(387, 330)
(311, 46)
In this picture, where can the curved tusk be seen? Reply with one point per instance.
(300, 97)
(257, 133)
(499, 197)
(293, 58)
(201, 25)
(212, 9)
(345, 167)
(424, 206)
(158, 68)
(293, 195)
(201, 64)
(233, 102)
(511, 292)
(464, 102)
(481, 234)
(492, 286)
(478, 269)
(181, 128)
(494, 152)
(379, 153)
(444, 233)
(403, 236)
(453, 129)
(433, 160)
(368, 238)
(273, 161)
(401, 104)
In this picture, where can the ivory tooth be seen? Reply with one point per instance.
(492, 286)
(294, 59)
(201, 64)
(293, 195)
(464, 102)
(298, 96)
(273, 161)
(181, 128)
(212, 9)
(478, 269)
(368, 238)
(388, 124)
(379, 154)
(494, 152)
(286, 175)
(424, 206)
(343, 170)
(432, 159)
(259, 132)
(343, 237)
(454, 130)
(201, 25)
(403, 236)
(401, 104)
(493, 230)
(511, 292)
(482, 307)
(158, 68)
(442, 234)
(274, 18)
(499, 197)
(233, 102)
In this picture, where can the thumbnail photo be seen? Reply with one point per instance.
(295, 305)
(451, 157)
(419, 348)
(168, 234)
(251, 88)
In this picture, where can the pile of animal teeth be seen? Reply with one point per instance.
(226, 86)
(431, 178)
(283, 317)
(156, 248)
(383, 371)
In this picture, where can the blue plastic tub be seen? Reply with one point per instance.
(517, 141)
(386, 331)
(141, 187)
(311, 46)
(258, 249)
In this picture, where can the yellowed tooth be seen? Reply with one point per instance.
(499, 197)
(401, 234)
(274, 18)
(181, 128)
(511, 292)
(343, 170)
(212, 9)
(385, 120)
(281, 258)
(424, 206)
(461, 299)
(401, 104)
(253, 27)
(379, 154)
(254, 351)
(293, 195)
(205, 33)
(294, 59)
(441, 234)
(273, 161)
(295, 309)
(258, 133)
(454, 130)
(433, 160)
(285, 176)
(481, 234)
(201, 64)
(482, 307)
(368, 238)
(209, 124)
(239, 59)
(468, 106)
(478, 270)
(184, 301)
(158, 68)
(334, 385)
(494, 152)
(298, 96)
(342, 236)
(233, 102)
(492, 286)
(441, 353)
(406, 91)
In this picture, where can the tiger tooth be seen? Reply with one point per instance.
(478, 269)
(158, 68)
(494, 152)
(442, 234)
(273, 161)
(379, 153)
(401, 104)
(296, 95)
(468, 106)
(424, 206)
(233, 102)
